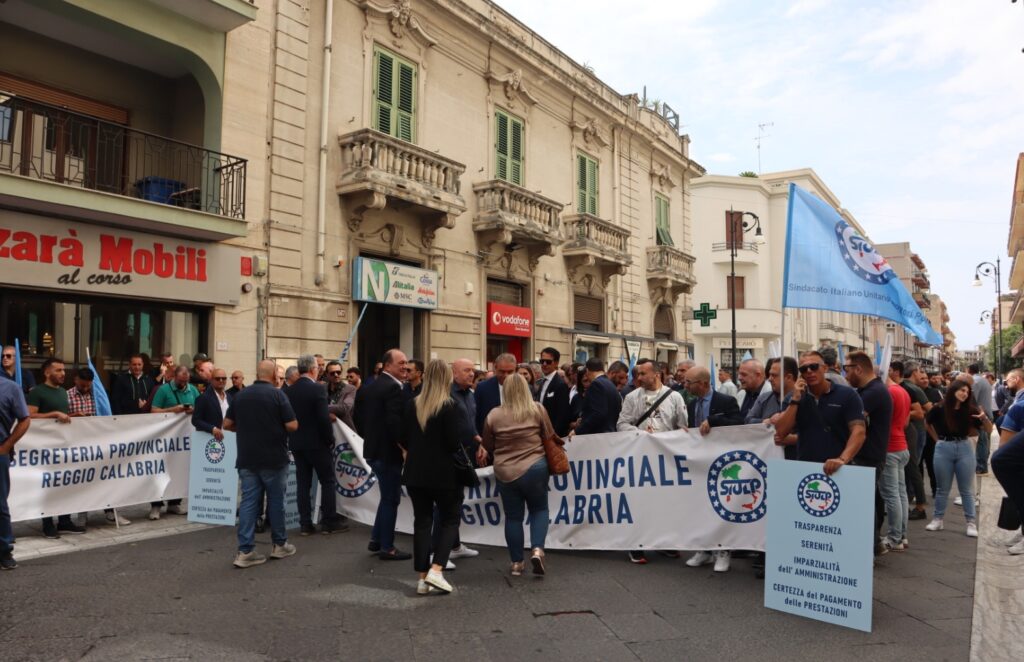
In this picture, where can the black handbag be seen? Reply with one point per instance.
(465, 472)
(1009, 518)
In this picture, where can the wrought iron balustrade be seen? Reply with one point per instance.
(45, 142)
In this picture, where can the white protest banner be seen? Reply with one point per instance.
(625, 490)
(99, 462)
(213, 479)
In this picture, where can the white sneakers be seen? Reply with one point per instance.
(1017, 549)
(177, 509)
(154, 513)
(721, 559)
(699, 559)
(972, 530)
(422, 587)
(116, 518)
(959, 501)
(463, 552)
(934, 525)
(1014, 539)
(437, 580)
(447, 566)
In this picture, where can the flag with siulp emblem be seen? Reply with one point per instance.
(830, 266)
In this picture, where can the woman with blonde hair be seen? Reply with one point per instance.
(513, 433)
(432, 427)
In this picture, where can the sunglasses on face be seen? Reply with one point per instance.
(8, 356)
(334, 373)
(220, 379)
(547, 361)
(810, 367)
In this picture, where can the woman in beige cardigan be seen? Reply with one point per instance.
(513, 433)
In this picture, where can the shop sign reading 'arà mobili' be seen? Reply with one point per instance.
(41, 252)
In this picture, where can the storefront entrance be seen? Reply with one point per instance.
(387, 327)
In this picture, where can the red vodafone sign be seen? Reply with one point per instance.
(505, 320)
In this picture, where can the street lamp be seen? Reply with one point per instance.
(989, 270)
(737, 222)
(986, 316)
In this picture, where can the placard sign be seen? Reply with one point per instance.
(213, 479)
(378, 281)
(820, 556)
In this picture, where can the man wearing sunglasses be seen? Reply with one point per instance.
(212, 405)
(341, 396)
(7, 366)
(827, 418)
(553, 392)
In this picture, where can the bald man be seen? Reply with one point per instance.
(262, 417)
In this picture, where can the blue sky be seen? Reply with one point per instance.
(909, 111)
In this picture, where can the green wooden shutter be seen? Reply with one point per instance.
(581, 184)
(516, 151)
(394, 96)
(501, 144)
(406, 93)
(383, 101)
(592, 186)
(662, 221)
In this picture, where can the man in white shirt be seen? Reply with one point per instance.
(667, 411)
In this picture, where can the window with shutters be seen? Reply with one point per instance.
(394, 95)
(739, 293)
(663, 228)
(509, 147)
(502, 291)
(586, 184)
(663, 323)
(588, 313)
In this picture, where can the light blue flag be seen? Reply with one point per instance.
(17, 364)
(711, 369)
(747, 355)
(842, 359)
(99, 393)
(878, 353)
(829, 266)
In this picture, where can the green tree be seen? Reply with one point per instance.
(748, 173)
(1011, 335)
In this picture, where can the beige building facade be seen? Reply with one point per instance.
(277, 150)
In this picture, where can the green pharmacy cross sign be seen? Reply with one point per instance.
(705, 314)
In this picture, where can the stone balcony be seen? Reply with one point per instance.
(669, 273)
(593, 241)
(922, 300)
(378, 170)
(514, 217)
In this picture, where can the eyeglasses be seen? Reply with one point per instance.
(220, 379)
(547, 361)
(849, 367)
(810, 367)
(334, 373)
(8, 356)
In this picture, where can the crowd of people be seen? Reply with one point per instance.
(415, 418)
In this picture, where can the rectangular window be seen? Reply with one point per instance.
(504, 292)
(740, 293)
(663, 227)
(394, 95)
(508, 146)
(588, 313)
(586, 184)
(6, 123)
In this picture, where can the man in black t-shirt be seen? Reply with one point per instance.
(860, 371)
(262, 417)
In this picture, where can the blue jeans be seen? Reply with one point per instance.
(894, 492)
(389, 480)
(954, 458)
(982, 451)
(254, 483)
(528, 491)
(6, 532)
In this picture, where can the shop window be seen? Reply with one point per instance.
(588, 313)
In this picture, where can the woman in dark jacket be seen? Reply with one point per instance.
(432, 427)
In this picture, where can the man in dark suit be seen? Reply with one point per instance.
(210, 407)
(602, 403)
(488, 393)
(378, 419)
(709, 409)
(131, 390)
(311, 447)
(553, 392)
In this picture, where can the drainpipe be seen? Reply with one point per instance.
(321, 189)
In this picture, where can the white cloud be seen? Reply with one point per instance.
(802, 7)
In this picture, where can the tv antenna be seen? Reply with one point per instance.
(761, 135)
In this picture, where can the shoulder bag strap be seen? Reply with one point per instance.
(650, 411)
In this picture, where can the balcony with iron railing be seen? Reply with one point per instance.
(920, 279)
(746, 251)
(378, 170)
(593, 241)
(922, 300)
(671, 269)
(513, 216)
(58, 162)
